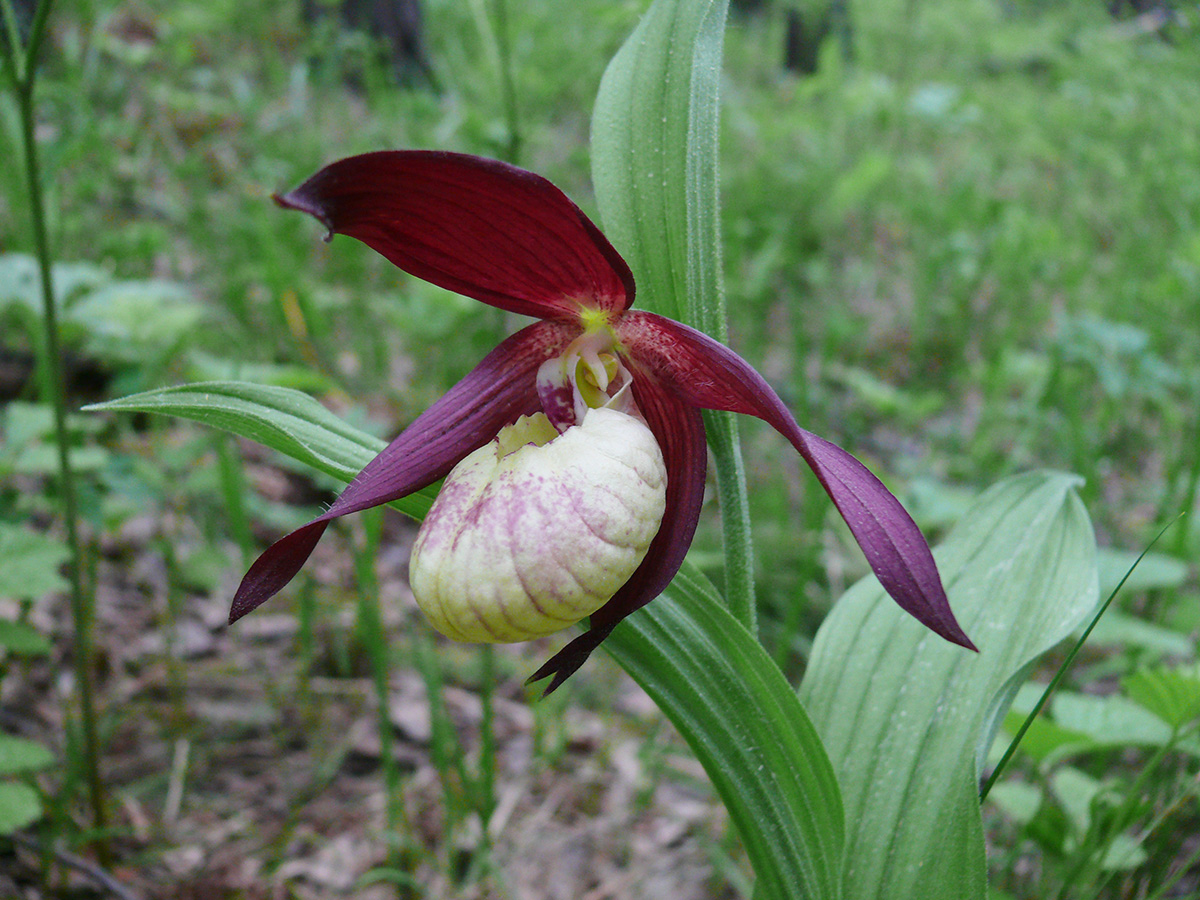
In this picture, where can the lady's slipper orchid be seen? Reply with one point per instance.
(578, 441)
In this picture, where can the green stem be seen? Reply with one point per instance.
(737, 542)
(1192, 479)
(176, 679)
(233, 490)
(374, 639)
(1062, 670)
(1102, 832)
(22, 71)
(486, 796)
(444, 748)
(508, 87)
(1182, 868)
(487, 738)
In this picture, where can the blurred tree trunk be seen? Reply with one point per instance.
(808, 25)
(397, 23)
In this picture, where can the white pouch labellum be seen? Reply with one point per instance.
(536, 530)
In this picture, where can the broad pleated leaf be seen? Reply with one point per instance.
(715, 682)
(1171, 693)
(907, 718)
(654, 159)
(743, 721)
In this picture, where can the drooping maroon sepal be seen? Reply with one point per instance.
(494, 394)
(707, 373)
(566, 662)
(679, 430)
(476, 226)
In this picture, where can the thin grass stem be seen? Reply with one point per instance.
(486, 799)
(1062, 669)
(736, 539)
(445, 750)
(233, 492)
(21, 68)
(508, 86)
(374, 639)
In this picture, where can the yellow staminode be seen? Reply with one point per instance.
(535, 429)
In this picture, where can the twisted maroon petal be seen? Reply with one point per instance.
(711, 375)
(476, 226)
(495, 393)
(679, 429)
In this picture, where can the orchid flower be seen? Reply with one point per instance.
(577, 445)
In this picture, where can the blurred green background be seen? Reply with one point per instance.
(966, 245)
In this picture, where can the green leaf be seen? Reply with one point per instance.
(1045, 741)
(1112, 721)
(131, 321)
(22, 639)
(20, 755)
(1171, 693)
(654, 159)
(1075, 792)
(907, 718)
(21, 282)
(654, 166)
(1155, 570)
(1078, 796)
(1124, 630)
(285, 420)
(29, 564)
(746, 726)
(19, 806)
(1017, 800)
(714, 680)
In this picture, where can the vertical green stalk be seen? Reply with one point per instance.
(233, 490)
(494, 32)
(307, 648)
(737, 541)
(176, 679)
(486, 795)
(371, 633)
(486, 785)
(654, 164)
(444, 748)
(1191, 481)
(508, 87)
(21, 70)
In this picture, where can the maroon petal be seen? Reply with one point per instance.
(495, 393)
(679, 429)
(476, 226)
(711, 375)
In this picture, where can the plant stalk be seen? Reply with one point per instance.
(737, 541)
(22, 71)
(1062, 669)
(374, 639)
(508, 87)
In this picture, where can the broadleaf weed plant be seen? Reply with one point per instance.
(861, 783)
